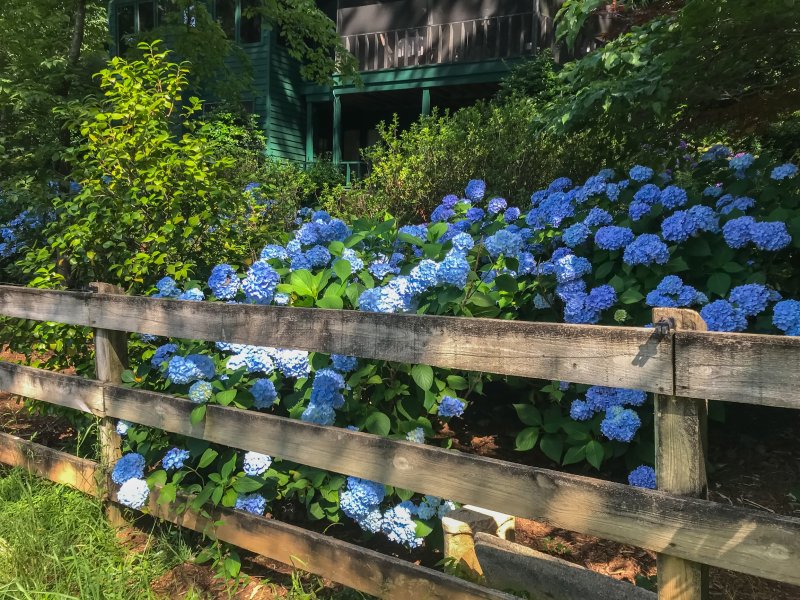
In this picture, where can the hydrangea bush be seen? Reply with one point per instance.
(719, 235)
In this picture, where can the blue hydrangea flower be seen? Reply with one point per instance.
(274, 252)
(200, 392)
(320, 414)
(174, 459)
(475, 214)
(771, 236)
(679, 226)
(672, 293)
(672, 197)
(640, 174)
(356, 264)
(741, 161)
(264, 393)
(449, 201)
(463, 242)
(646, 249)
(451, 407)
(224, 282)
(560, 184)
(648, 194)
(511, 214)
(496, 205)
(416, 435)
(716, 152)
(786, 316)
(255, 504)
(597, 216)
(318, 256)
(343, 363)
(446, 508)
(713, 191)
(442, 214)
(552, 210)
(751, 298)
(784, 171)
(475, 190)
(721, 315)
(133, 493)
(527, 263)
(326, 388)
(612, 191)
(162, 354)
(193, 294)
(637, 210)
(738, 232)
(600, 398)
(428, 508)
(728, 203)
(503, 242)
(186, 370)
(575, 235)
(453, 270)
(423, 276)
(601, 298)
(571, 267)
(398, 525)
(381, 267)
(123, 427)
(260, 283)
(613, 237)
(418, 231)
(361, 498)
(256, 464)
(292, 363)
(704, 217)
(129, 466)
(167, 288)
(620, 424)
(580, 411)
(281, 299)
(643, 477)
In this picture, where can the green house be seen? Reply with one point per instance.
(413, 55)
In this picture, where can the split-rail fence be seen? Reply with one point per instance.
(677, 360)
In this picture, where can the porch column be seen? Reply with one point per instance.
(309, 132)
(426, 102)
(337, 129)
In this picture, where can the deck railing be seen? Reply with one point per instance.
(487, 38)
(679, 362)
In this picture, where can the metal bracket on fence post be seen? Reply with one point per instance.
(680, 436)
(110, 358)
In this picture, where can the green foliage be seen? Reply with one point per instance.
(55, 542)
(151, 195)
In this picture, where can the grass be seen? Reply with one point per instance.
(55, 544)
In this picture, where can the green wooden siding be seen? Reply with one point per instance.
(286, 112)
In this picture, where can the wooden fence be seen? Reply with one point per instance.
(682, 364)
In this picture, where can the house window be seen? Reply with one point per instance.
(249, 23)
(147, 16)
(131, 19)
(225, 13)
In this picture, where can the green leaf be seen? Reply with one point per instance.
(198, 414)
(482, 300)
(379, 424)
(457, 382)
(342, 268)
(330, 302)
(732, 267)
(422, 376)
(229, 466)
(157, 478)
(595, 453)
(404, 494)
(167, 493)
(528, 414)
(232, 565)
(603, 270)
(423, 529)
(226, 397)
(574, 455)
(506, 283)
(316, 511)
(526, 439)
(631, 296)
(719, 283)
(303, 282)
(245, 485)
(128, 376)
(552, 446)
(208, 457)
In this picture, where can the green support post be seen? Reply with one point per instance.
(426, 102)
(309, 132)
(337, 129)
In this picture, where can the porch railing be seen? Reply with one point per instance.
(487, 38)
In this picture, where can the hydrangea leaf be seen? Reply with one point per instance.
(343, 268)
(595, 453)
(422, 376)
(208, 457)
(198, 414)
(719, 283)
(167, 493)
(423, 529)
(574, 454)
(379, 424)
(526, 439)
(157, 478)
(552, 446)
(331, 302)
(245, 485)
(529, 414)
(226, 397)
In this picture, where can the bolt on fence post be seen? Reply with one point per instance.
(681, 447)
(110, 359)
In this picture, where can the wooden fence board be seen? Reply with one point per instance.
(613, 356)
(738, 367)
(60, 467)
(70, 392)
(359, 568)
(742, 540)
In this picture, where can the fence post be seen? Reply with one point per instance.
(681, 446)
(110, 359)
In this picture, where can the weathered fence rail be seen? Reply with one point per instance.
(678, 365)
